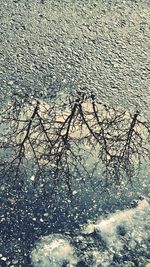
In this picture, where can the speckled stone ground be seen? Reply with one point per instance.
(66, 45)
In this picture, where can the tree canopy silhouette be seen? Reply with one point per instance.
(52, 138)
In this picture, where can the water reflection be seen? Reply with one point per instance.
(64, 164)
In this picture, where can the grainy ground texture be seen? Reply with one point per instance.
(67, 45)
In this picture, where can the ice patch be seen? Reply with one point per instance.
(55, 251)
(121, 223)
(123, 232)
(121, 239)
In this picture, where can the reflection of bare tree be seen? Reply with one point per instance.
(54, 138)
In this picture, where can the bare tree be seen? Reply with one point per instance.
(53, 137)
(51, 143)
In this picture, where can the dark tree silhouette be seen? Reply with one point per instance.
(53, 137)
(50, 142)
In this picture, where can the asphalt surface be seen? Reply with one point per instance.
(70, 45)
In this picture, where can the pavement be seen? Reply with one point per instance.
(52, 46)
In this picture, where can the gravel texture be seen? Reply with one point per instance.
(72, 44)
